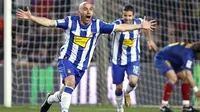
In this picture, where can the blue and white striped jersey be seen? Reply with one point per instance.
(126, 45)
(81, 40)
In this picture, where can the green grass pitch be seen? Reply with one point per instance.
(81, 108)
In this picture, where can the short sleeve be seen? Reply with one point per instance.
(116, 22)
(188, 61)
(106, 28)
(62, 23)
(139, 20)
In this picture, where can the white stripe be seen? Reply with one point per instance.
(67, 37)
(95, 41)
(133, 49)
(124, 49)
(115, 47)
(139, 48)
(74, 50)
(86, 49)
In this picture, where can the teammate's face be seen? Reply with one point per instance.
(86, 13)
(128, 17)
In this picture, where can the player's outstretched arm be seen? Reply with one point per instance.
(151, 43)
(190, 78)
(26, 15)
(149, 25)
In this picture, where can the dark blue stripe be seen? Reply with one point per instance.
(70, 44)
(138, 21)
(68, 90)
(137, 50)
(93, 29)
(120, 48)
(131, 35)
(80, 49)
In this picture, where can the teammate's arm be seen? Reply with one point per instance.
(127, 27)
(192, 83)
(26, 15)
(151, 43)
(190, 78)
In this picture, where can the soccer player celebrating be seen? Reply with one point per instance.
(82, 33)
(175, 62)
(126, 56)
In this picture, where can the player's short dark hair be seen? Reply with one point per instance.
(196, 47)
(129, 7)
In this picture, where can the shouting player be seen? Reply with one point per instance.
(82, 33)
(126, 56)
(175, 63)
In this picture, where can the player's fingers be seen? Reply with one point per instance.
(152, 21)
(150, 29)
(155, 48)
(20, 10)
(20, 15)
(27, 8)
(153, 24)
(149, 47)
(153, 27)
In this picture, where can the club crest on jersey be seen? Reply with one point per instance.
(81, 41)
(68, 71)
(168, 63)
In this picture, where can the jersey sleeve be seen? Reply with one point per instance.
(116, 22)
(188, 61)
(106, 28)
(62, 23)
(140, 20)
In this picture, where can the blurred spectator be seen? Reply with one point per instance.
(62, 8)
(171, 26)
(41, 7)
(181, 26)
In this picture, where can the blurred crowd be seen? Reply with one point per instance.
(178, 20)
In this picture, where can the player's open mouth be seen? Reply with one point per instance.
(88, 17)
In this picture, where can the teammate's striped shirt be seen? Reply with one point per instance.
(81, 40)
(126, 45)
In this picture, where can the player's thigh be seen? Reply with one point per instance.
(171, 76)
(182, 76)
(133, 71)
(118, 73)
(133, 79)
(67, 72)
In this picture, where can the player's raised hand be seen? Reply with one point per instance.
(149, 25)
(152, 45)
(21, 14)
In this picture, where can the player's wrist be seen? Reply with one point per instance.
(195, 89)
(141, 26)
(31, 17)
